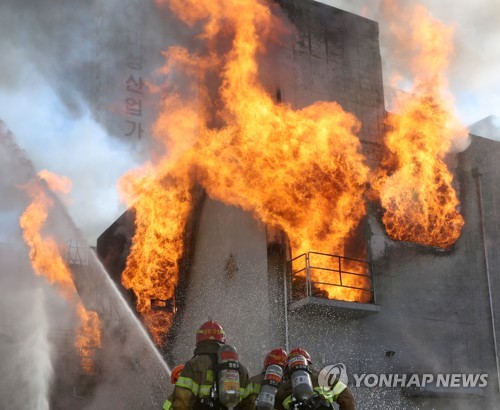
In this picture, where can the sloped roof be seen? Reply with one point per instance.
(488, 127)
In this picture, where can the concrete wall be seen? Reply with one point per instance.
(236, 295)
(435, 310)
(481, 181)
(434, 305)
(334, 57)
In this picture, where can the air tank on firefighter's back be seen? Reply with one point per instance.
(229, 376)
(301, 379)
(270, 385)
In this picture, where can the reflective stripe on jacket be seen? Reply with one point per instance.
(167, 405)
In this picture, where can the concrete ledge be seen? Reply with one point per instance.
(337, 308)
(444, 392)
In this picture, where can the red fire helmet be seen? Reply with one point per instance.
(299, 351)
(210, 330)
(176, 372)
(276, 356)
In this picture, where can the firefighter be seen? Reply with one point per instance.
(203, 381)
(277, 357)
(174, 376)
(320, 398)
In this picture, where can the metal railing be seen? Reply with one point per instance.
(331, 277)
(88, 361)
(167, 305)
(76, 253)
(63, 340)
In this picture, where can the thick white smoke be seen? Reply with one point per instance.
(64, 62)
(132, 373)
(473, 73)
(26, 351)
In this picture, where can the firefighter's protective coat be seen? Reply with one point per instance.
(194, 386)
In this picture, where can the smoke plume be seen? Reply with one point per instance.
(473, 70)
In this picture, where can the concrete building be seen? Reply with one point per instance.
(433, 312)
(488, 127)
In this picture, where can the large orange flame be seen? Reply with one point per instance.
(46, 258)
(417, 192)
(299, 170)
(162, 203)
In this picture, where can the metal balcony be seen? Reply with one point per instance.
(329, 284)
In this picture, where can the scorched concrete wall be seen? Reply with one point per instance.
(334, 56)
(228, 283)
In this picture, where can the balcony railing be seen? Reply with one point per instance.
(76, 253)
(321, 275)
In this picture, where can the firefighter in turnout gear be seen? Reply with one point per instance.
(276, 357)
(174, 376)
(301, 391)
(176, 372)
(213, 378)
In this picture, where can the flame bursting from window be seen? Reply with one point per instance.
(299, 170)
(46, 259)
(416, 188)
(161, 198)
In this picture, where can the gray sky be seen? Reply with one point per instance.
(51, 51)
(474, 68)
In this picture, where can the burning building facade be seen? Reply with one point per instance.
(379, 306)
